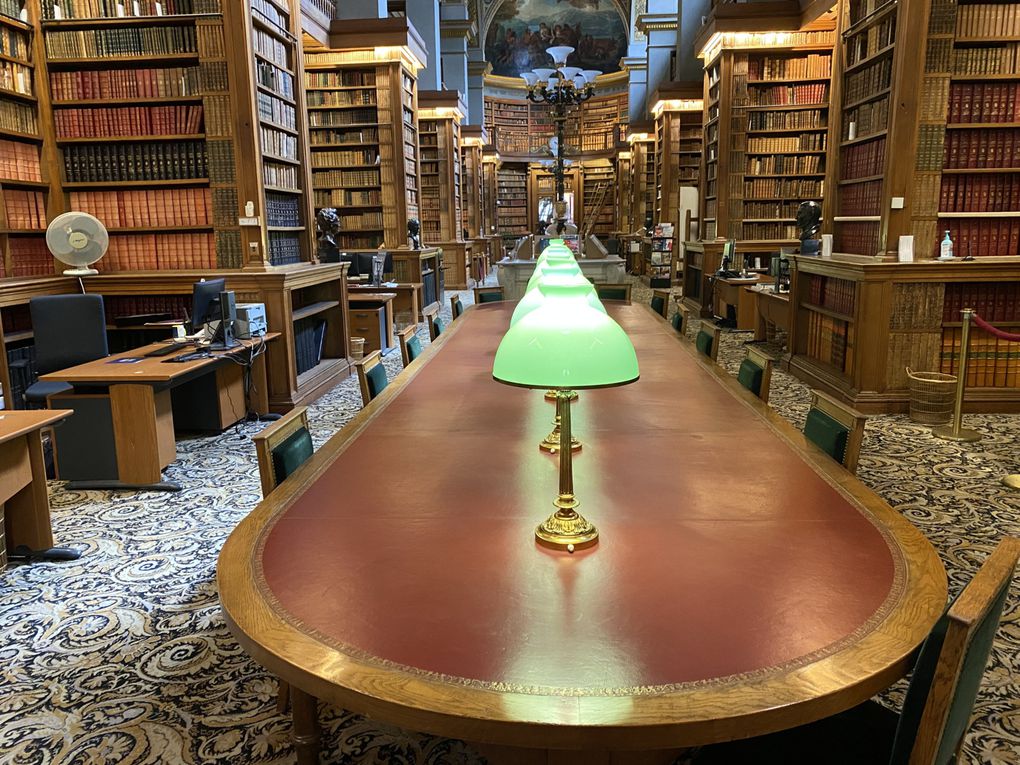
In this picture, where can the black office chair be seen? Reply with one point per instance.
(69, 330)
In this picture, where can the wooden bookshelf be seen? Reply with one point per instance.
(25, 174)
(766, 131)
(678, 111)
(521, 130)
(624, 197)
(490, 195)
(363, 128)
(598, 179)
(439, 121)
(281, 159)
(641, 137)
(968, 144)
(473, 140)
(860, 322)
(512, 217)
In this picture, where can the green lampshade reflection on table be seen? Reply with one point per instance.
(557, 282)
(565, 344)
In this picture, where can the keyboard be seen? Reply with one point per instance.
(166, 350)
(196, 356)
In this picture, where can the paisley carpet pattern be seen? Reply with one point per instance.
(123, 656)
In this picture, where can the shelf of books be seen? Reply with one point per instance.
(281, 109)
(442, 224)
(598, 179)
(968, 154)
(767, 120)
(678, 135)
(24, 176)
(600, 119)
(363, 141)
(523, 129)
(624, 193)
(512, 201)
(863, 151)
(141, 114)
(490, 190)
(471, 147)
(641, 138)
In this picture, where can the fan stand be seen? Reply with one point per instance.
(81, 272)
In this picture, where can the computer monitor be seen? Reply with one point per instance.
(362, 263)
(205, 302)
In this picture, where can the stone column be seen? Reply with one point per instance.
(424, 16)
(477, 69)
(688, 65)
(361, 9)
(638, 93)
(455, 29)
(661, 30)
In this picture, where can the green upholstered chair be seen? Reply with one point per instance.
(755, 373)
(410, 345)
(371, 376)
(456, 307)
(619, 292)
(436, 324)
(707, 340)
(939, 701)
(660, 302)
(281, 449)
(681, 319)
(488, 295)
(836, 429)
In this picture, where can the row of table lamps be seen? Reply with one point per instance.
(561, 339)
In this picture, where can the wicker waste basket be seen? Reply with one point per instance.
(357, 348)
(931, 397)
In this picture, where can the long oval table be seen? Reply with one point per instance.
(743, 583)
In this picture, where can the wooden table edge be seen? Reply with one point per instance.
(697, 715)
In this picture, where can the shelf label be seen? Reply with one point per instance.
(249, 221)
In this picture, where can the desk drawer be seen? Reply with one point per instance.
(369, 323)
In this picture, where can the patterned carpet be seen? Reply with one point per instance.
(123, 657)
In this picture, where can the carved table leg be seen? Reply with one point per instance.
(305, 731)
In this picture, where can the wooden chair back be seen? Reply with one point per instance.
(755, 373)
(410, 346)
(707, 340)
(435, 323)
(456, 306)
(823, 410)
(488, 295)
(372, 382)
(947, 676)
(269, 438)
(619, 292)
(660, 302)
(681, 319)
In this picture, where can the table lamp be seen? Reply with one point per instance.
(565, 344)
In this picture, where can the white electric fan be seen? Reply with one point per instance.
(79, 240)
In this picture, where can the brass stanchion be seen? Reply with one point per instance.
(955, 432)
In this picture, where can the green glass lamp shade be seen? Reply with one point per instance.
(554, 252)
(557, 284)
(553, 266)
(565, 344)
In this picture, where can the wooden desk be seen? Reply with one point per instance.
(122, 432)
(406, 305)
(713, 606)
(26, 504)
(366, 311)
(732, 292)
(773, 310)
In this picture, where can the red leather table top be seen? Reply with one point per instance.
(414, 549)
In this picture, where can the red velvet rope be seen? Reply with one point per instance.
(993, 331)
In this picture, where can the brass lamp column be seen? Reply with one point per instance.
(566, 528)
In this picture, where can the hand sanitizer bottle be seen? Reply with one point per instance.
(946, 248)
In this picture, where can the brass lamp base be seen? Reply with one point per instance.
(550, 395)
(551, 443)
(566, 529)
(1012, 481)
(946, 433)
